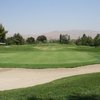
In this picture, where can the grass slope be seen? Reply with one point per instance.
(81, 87)
(48, 56)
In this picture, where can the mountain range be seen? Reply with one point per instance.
(74, 34)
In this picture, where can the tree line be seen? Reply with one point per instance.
(84, 40)
(17, 39)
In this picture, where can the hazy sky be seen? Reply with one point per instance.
(37, 16)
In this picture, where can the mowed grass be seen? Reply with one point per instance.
(48, 56)
(80, 87)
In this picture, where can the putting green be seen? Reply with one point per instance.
(48, 55)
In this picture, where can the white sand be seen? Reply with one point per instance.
(13, 78)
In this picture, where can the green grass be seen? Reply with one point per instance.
(80, 87)
(48, 56)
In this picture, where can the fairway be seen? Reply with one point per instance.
(48, 56)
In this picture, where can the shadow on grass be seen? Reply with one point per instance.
(83, 97)
(88, 49)
(35, 98)
(71, 97)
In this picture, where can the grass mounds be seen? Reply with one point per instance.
(80, 87)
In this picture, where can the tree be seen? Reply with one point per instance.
(30, 40)
(78, 41)
(18, 39)
(90, 41)
(84, 39)
(3, 33)
(41, 38)
(9, 41)
(60, 38)
(64, 38)
(97, 40)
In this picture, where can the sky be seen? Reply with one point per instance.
(38, 16)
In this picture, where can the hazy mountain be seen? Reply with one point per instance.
(55, 34)
(73, 33)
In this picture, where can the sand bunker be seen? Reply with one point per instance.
(13, 78)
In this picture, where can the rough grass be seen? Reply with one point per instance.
(80, 87)
(48, 56)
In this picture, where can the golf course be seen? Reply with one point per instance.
(48, 56)
(49, 71)
(49, 49)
